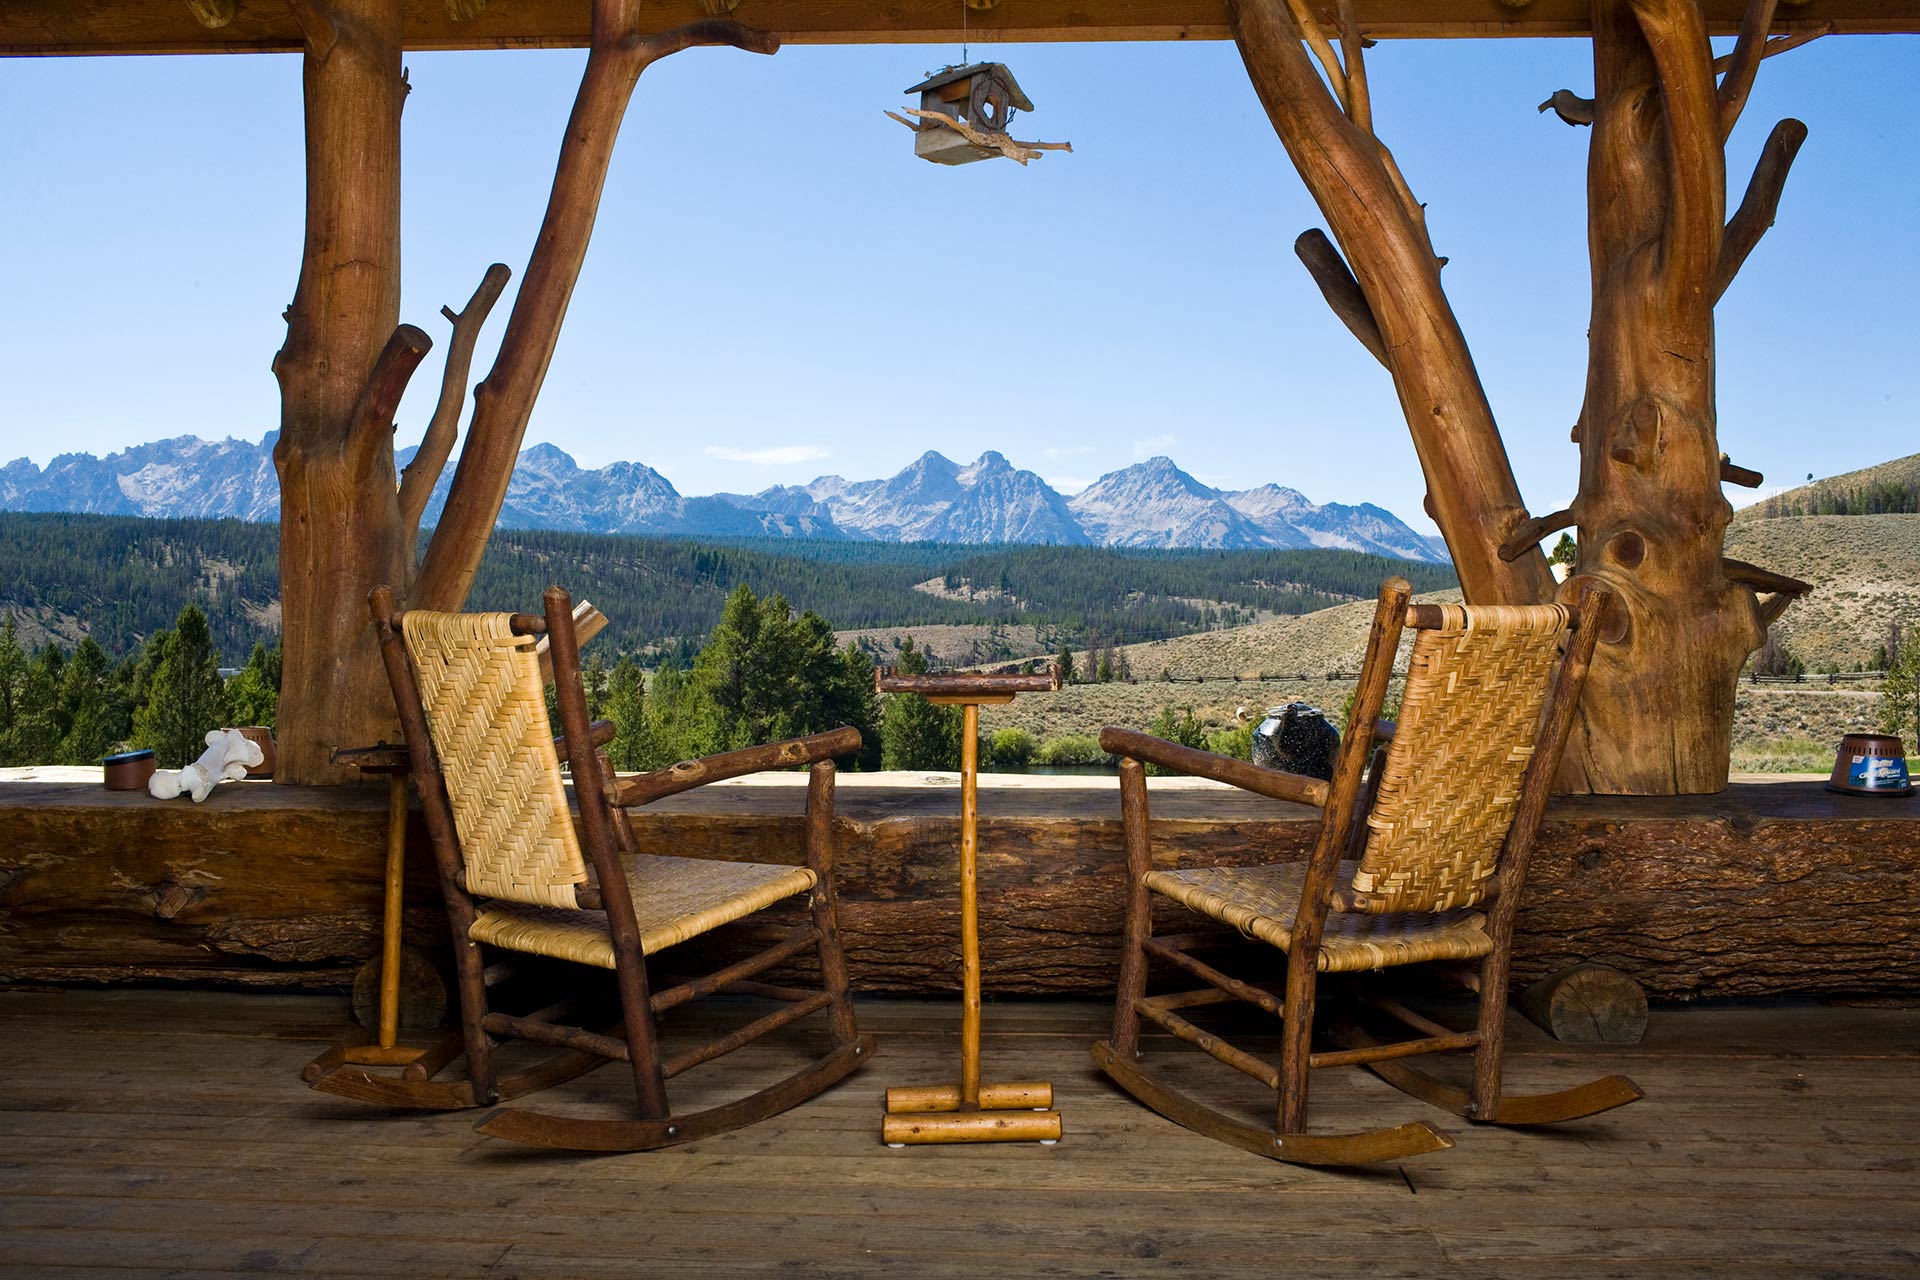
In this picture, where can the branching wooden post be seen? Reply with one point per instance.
(436, 446)
(339, 531)
(348, 523)
(1379, 226)
(504, 402)
(1657, 717)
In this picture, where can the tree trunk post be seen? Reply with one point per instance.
(1657, 718)
(339, 524)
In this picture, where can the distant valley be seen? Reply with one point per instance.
(1151, 504)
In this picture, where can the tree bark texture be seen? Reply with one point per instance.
(1658, 712)
(1769, 889)
(339, 528)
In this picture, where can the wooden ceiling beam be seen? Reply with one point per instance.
(48, 27)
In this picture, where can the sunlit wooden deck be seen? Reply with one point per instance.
(167, 1133)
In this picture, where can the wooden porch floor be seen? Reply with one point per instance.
(167, 1133)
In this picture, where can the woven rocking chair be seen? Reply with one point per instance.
(472, 705)
(1425, 862)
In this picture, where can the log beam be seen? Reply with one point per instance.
(1755, 891)
(142, 26)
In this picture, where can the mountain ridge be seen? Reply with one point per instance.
(1149, 504)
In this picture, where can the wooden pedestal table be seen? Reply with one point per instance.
(970, 1111)
(390, 762)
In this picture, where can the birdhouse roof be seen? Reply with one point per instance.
(940, 79)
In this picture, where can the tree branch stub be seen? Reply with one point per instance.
(1530, 531)
(436, 444)
(373, 414)
(1760, 204)
(1342, 292)
(503, 403)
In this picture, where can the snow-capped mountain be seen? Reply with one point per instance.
(549, 490)
(185, 476)
(1156, 504)
(937, 500)
(1150, 504)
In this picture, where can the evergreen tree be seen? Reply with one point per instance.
(185, 697)
(93, 706)
(593, 681)
(1565, 552)
(37, 730)
(852, 701)
(1065, 663)
(680, 724)
(1900, 695)
(916, 734)
(253, 696)
(626, 706)
(13, 678)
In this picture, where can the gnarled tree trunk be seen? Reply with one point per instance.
(1657, 717)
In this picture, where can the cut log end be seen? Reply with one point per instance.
(423, 992)
(1587, 1004)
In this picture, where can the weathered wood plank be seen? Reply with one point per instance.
(1764, 889)
(234, 1169)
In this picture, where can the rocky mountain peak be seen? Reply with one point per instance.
(1152, 503)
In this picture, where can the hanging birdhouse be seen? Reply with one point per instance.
(964, 113)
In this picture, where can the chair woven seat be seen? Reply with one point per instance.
(674, 899)
(1261, 902)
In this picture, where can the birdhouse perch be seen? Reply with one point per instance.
(964, 113)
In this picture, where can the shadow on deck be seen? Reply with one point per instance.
(167, 1133)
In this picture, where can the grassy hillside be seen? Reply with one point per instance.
(1890, 487)
(1866, 576)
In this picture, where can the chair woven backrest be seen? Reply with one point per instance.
(1469, 718)
(486, 708)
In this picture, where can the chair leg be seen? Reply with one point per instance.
(1489, 1055)
(642, 1032)
(1296, 1042)
(470, 978)
(1139, 925)
(824, 902)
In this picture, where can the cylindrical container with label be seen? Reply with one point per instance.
(129, 771)
(1871, 764)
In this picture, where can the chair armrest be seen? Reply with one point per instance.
(645, 788)
(600, 733)
(1207, 764)
(1383, 730)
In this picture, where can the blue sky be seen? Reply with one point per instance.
(777, 289)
